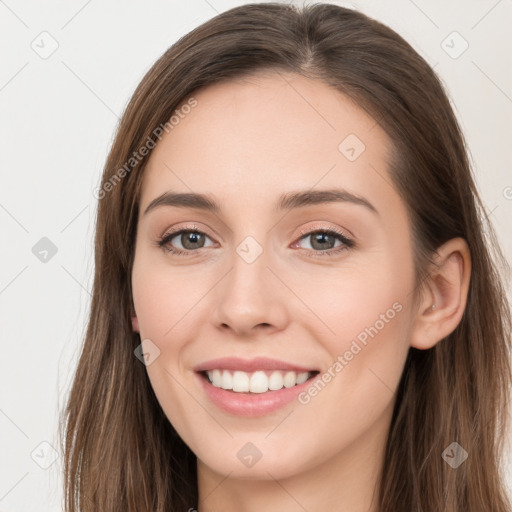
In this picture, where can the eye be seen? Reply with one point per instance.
(323, 241)
(189, 240)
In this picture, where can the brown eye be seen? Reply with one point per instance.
(322, 241)
(191, 239)
(325, 240)
(183, 241)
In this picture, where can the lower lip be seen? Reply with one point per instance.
(251, 404)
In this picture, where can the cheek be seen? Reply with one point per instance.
(164, 299)
(355, 303)
(370, 315)
(369, 347)
(367, 310)
(166, 303)
(165, 307)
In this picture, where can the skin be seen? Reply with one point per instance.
(247, 142)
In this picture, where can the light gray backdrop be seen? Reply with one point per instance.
(67, 71)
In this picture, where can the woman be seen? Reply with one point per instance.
(295, 306)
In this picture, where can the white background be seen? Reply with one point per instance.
(58, 117)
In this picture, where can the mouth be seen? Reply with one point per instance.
(253, 387)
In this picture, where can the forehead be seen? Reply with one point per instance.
(265, 134)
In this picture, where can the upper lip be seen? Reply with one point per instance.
(249, 365)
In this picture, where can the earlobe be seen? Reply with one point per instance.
(445, 295)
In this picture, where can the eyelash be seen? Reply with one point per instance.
(347, 243)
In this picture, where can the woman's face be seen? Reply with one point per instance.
(304, 271)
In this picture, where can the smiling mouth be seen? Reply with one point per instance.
(260, 381)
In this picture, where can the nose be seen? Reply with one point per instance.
(251, 299)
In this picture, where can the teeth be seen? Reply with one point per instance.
(216, 378)
(290, 379)
(240, 382)
(302, 377)
(227, 381)
(275, 381)
(256, 382)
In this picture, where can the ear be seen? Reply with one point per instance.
(135, 320)
(444, 295)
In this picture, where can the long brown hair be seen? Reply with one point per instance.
(121, 452)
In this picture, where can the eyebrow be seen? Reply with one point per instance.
(288, 201)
